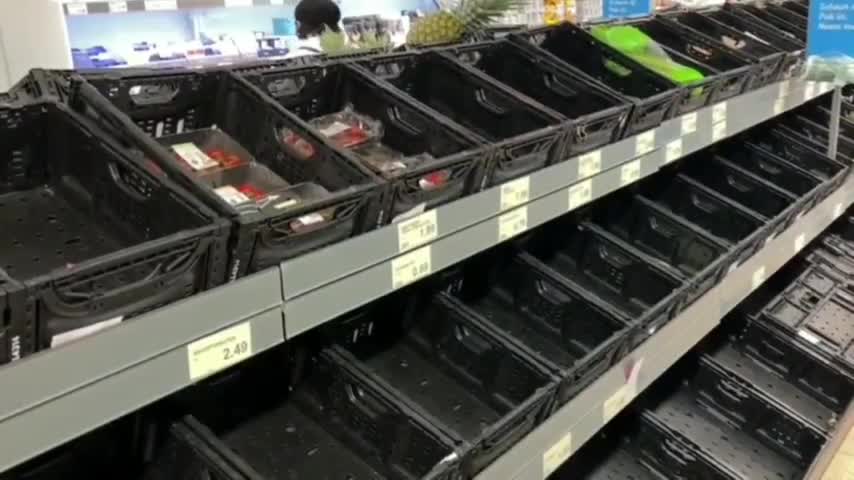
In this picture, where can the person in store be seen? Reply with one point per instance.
(313, 17)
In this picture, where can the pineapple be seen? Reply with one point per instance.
(465, 18)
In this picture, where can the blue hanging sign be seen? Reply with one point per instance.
(616, 9)
(830, 41)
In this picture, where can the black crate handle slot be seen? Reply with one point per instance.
(678, 453)
(146, 95)
(365, 403)
(393, 114)
(703, 205)
(508, 433)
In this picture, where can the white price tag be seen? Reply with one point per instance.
(673, 150)
(758, 277)
(231, 195)
(630, 172)
(219, 351)
(732, 268)
(784, 89)
(557, 455)
(809, 336)
(645, 142)
(580, 193)
(809, 90)
(238, 3)
(779, 106)
(719, 113)
(413, 266)
(512, 223)
(800, 241)
(718, 131)
(417, 231)
(837, 210)
(78, 333)
(689, 123)
(515, 193)
(77, 8)
(118, 7)
(193, 156)
(589, 164)
(623, 396)
(154, 5)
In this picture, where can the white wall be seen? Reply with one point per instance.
(32, 34)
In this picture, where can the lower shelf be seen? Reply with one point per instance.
(588, 412)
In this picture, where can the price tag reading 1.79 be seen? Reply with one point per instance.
(417, 231)
(219, 351)
(411, 267)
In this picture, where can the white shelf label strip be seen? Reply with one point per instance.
(515, 193)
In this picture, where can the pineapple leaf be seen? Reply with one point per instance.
(478, 14)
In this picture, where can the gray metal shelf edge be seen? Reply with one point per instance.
(80, 386)
(90, 7)
(553, 442)
(324, 284)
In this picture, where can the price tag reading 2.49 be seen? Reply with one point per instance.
(219, 351)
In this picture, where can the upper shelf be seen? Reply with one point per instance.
(74, 7)
(75, 388)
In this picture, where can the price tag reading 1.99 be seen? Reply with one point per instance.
(219, 351)
(411, 267)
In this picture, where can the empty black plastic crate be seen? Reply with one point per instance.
(789, 177)
(764, 14)
(610, 455)
(779, 141)
(637, 284)
(656, 231)
(168, 103)
(572, 332)
(749, 190)
(709, 210)
(528, 135)
(407, 128)
(818, 134)
(335, 422)
(727, 74)
(755, 400)
(466, 376)
(598, 113)
(654, 98)
(686, 439)
(806, 336)
(90, 234)
(770, 59)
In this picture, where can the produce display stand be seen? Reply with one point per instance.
(97, 379)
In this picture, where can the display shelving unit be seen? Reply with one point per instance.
(65, 392)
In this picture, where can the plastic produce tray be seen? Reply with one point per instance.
(772, 17)
(716, 214)
(770, 59)
(656, 231)
(598, 113)
(683, 438)
(804, 335)
(789, 177)
(636, 284)
(457, 155)
(727, 73)
(819, 135)
(170, 103)
(655, 99)
(91, 236)
(757, 28)
(336, 422)
(774, 204)
(802, 155)
(465, 375)
(608, 456)
(755, 400)
(573, 333)
(529, 135)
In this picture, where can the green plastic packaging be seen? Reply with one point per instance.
(642, 49)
